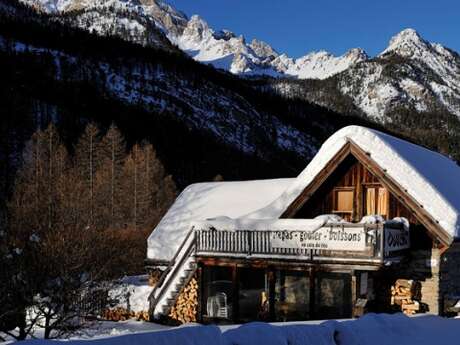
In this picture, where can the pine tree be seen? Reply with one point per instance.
(87, 160)
(113, 153)
(35, 205)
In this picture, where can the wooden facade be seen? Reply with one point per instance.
(353, 177)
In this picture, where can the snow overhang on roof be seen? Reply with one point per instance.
(429, 178)
(202, 201)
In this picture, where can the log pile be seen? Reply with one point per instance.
(407, 295)
(186, 307)
(122, 314)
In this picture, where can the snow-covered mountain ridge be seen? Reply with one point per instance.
(411, 72)
(223, 49)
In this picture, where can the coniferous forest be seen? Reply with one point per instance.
(76, 219)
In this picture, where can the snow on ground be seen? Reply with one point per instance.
(132, 293)
(372, 329)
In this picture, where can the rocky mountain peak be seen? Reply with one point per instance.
(356, 55)
(170, 19)
(263, 49)
(407, 43)
(196, 32)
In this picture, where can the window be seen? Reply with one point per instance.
(343, 200)
(253, 295)
(332, 295)
(376, 201)
(292, 296)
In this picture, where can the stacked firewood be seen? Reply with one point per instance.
(122, 314)
(185, 309)
(406, 294)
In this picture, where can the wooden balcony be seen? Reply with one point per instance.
(264, 244)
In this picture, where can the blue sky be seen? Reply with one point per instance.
(300, 26)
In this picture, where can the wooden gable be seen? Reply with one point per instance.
(352, 172)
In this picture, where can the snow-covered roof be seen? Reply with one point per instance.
(209, 200)
(429, 178)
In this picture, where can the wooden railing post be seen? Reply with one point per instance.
(249, 239)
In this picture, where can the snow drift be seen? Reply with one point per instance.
(371, 329)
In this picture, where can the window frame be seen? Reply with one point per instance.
(335, 192)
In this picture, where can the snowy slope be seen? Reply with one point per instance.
(222, 113)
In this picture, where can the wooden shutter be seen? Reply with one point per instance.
(344, 201)
(382, 202)
(370, 201)
(377, 201)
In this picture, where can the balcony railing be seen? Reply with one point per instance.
(260, 244)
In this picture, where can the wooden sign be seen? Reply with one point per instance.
(325, 238)
(396, 239)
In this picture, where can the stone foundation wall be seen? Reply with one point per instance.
(422, 266)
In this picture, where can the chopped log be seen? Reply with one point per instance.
(406, 294)
(185, 308)
(121, 314)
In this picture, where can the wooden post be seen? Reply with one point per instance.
(353, 292)
(235, 283)
(311, 273)
(271, 291)
(200, 298)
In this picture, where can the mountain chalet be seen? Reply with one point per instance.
(370, 225)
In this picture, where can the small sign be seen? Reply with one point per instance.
(396, 239)
(325, 238)
(361, 302)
